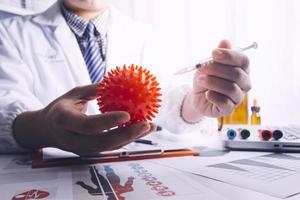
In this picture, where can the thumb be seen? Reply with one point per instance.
(87, 92)
(224, 44)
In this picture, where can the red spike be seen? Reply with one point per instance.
(151, 114)
(149, 118)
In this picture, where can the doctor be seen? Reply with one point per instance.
(50, 64)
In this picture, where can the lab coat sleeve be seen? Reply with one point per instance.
(158, 56)
(170, 112)
(16, 89)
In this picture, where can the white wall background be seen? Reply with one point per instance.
(194, 28)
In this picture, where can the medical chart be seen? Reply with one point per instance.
(274, 174)
(110, 181)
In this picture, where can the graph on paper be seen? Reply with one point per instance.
(266, 168)
(258, 172)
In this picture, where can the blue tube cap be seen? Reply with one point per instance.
(231, 134)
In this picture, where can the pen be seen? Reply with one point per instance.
(144, 141)
(158, 128)
(210, 60)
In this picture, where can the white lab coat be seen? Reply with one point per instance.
(40, 60)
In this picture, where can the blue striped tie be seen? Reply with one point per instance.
(93, 59)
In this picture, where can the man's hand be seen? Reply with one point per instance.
(218, 88)
(64, 125)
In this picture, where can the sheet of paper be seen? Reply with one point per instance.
(120, 181)
(18, 181)
(274, 174)
(136, 180)
(54, 153)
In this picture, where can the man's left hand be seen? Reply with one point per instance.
(219, 87)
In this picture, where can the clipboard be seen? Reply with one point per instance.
(39, 162)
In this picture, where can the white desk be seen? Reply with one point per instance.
(16, 176)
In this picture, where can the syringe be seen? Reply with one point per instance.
(210, 60)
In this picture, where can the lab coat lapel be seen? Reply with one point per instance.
(72, 51)
(67, 41)
(70, 47)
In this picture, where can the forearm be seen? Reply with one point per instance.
(30, 131)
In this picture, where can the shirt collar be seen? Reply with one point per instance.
(79, 24)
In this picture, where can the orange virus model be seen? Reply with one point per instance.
(132, 89)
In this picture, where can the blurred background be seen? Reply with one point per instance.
(192, 28)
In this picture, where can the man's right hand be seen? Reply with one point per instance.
(64, 125)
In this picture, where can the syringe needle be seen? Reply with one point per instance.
(210, 60)
(252, 46)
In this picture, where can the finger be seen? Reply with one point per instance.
(153, 127)
(83, 144)
(80, 105)
(222, 104)
(219, 85)
(234, 74)
(129, 134)
(88, 92)
(225, 44)
(232, 58)
(94, 124)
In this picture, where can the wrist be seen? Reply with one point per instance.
(189, 112)
(30, 131)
